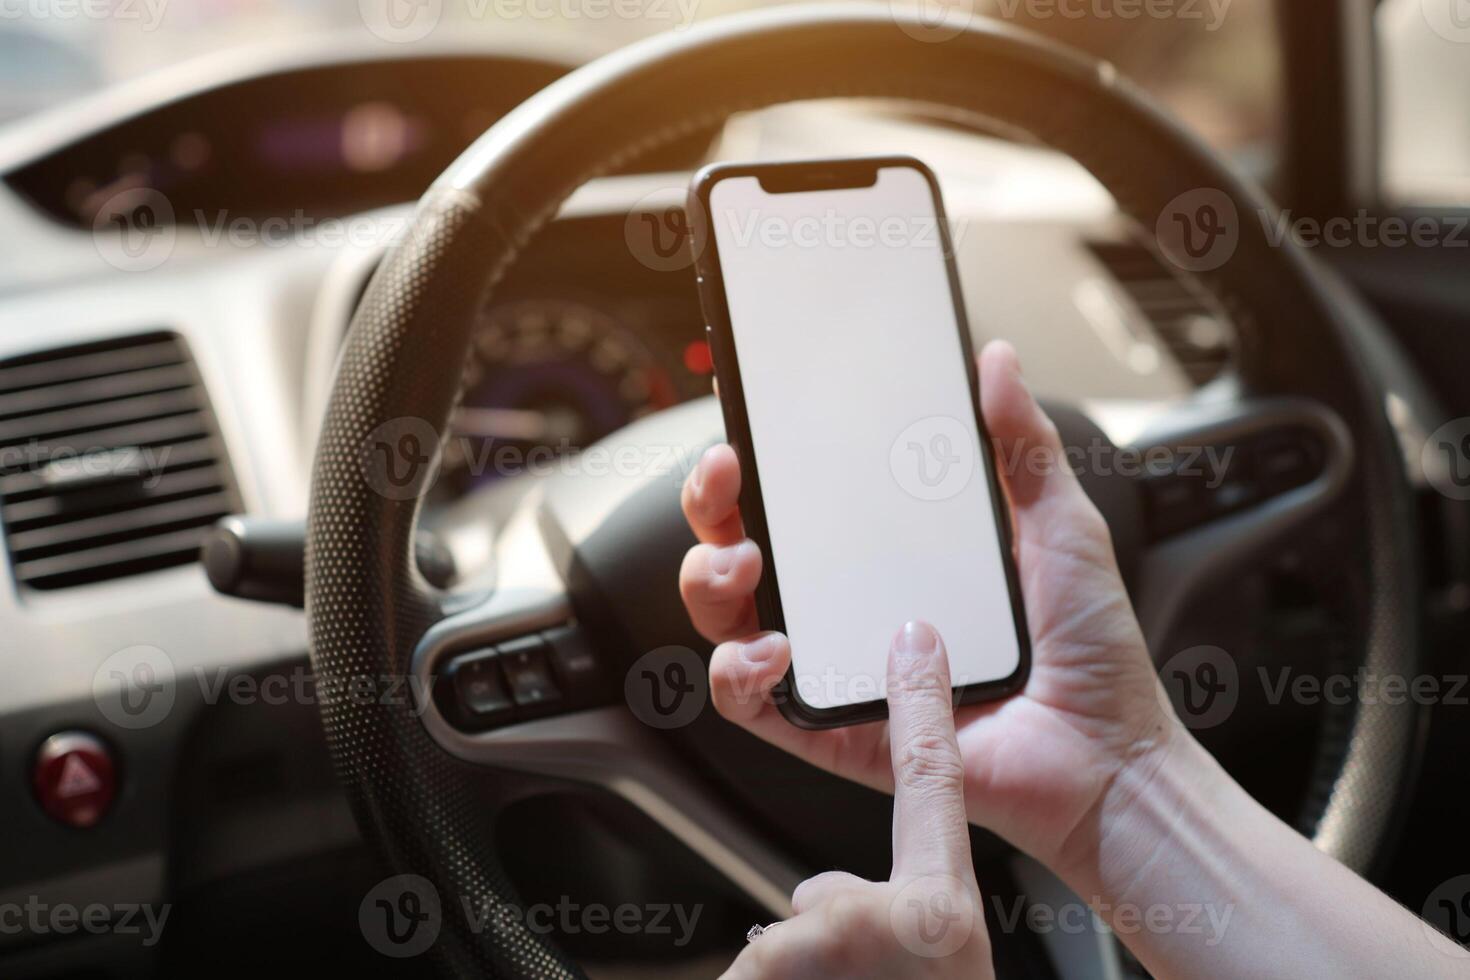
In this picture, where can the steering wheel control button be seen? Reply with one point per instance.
(480, 690)
(75, 778)
(1253, 470)
(1174, 504)
(528, 668)
(1288, 461)
(576, 665)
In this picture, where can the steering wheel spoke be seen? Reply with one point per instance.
(1222, 484)
(519, 685)
(509, 650)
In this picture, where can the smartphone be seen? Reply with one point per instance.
(851, 395)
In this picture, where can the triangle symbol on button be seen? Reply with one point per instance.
(77, 778)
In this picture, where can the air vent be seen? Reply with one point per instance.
(1196, 332)
(110, 463)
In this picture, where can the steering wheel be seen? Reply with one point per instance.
(603, 553)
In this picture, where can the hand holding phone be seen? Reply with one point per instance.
(1092, 714)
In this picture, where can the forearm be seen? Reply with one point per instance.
(1198, 879)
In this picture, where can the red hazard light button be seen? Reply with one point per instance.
(75, 779)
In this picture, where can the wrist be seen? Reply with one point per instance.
(1157, 780)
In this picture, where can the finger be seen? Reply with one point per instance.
(820, 889)
(1050, 511)
(742, 675)
(718, 586)
(1029, 451)
(930, 833)
(711, 497)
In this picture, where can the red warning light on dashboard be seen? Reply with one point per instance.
(75, 778)
(698, 359)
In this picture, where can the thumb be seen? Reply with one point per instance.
(1029, 454)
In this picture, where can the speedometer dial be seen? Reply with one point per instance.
(546, 378)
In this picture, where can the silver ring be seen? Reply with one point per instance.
(758, 930)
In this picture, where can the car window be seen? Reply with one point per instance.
(1214, 62)
(1424, 65)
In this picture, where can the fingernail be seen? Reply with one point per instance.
(721, 560)
(760, 650)
(917, 639)
(706, 458)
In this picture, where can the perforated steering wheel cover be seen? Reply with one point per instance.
(366, 604)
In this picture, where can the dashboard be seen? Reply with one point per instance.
(583, 336)
(307, 141)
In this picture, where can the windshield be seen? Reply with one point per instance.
(1214, 62)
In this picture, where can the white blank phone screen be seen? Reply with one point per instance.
(861, 419)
